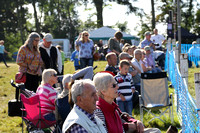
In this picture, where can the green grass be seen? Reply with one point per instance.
(13, 124)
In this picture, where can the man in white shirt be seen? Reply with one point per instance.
(158, 39)
(136, 60)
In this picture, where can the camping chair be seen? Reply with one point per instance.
(155, 95)
(33, 119)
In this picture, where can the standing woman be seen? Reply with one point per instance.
(30, 61)
(114, 43)
(86, 48)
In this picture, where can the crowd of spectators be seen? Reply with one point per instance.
(78, 110)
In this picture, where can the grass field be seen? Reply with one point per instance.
(13, 124)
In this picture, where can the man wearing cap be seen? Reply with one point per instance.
(133, 69)
(147, 42)
(150, 60)
(50, 54)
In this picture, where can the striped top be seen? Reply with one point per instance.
(125, 83)
(28, 61)
(47, 98)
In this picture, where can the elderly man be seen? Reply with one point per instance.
(150, 60)
(136, 60)
(81, 119)
(147, 41)
(50, 54)
(112, 62)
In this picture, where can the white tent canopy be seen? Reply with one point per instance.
(104, 33)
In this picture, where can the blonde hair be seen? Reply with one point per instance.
(46, 75)
(2, 42)
(82, 36)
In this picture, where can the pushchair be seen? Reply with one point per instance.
(31, 113)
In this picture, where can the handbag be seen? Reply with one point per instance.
(22, 79)
(15, 105)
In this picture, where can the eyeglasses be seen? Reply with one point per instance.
(85, 35)
(37, 40)
(114, 85)
(55, 75)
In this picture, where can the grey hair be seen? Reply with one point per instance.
(30, 39)
(101, 82)
(46, 75)
(137, 51)
(78, 88)
(66, 79)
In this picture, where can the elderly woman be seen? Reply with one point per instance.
(108, 111)
(62, 105)
(86, 47)
(30, 61)
(48, 94)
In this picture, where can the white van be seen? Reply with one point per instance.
(64, 43)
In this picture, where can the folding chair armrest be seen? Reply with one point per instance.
(141, 102)
(171, 98)
(22, 109)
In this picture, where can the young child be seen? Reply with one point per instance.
(126, 88)
(76, 59)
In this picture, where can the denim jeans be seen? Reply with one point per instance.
(50, 117)
(86, 62)
(126, 106)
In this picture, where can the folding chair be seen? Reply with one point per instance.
(155, 95)
(33, 119)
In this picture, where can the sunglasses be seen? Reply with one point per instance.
(114, 85)
(37, 40)
(85, 35)
(55, 75)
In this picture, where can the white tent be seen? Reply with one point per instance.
(105, 33)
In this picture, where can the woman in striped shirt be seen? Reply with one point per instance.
(48, 94)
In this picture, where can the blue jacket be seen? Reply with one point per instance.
(75, 58)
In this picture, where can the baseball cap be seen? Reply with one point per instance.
(146, 48)
(147, 33)
(124, 55)
(48, 37)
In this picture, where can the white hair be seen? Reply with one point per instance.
(66, 79)
(137, 51)
(101, 81)
(78, 88)
(46, 75)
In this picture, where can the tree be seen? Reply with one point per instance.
(153, 14)
(99, 4)
(59, 18)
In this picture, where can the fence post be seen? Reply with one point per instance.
(176, 54)
(197, 90)
(174, 44)
(169, 44)
(184, 67)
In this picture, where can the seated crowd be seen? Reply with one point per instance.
(99, 105)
